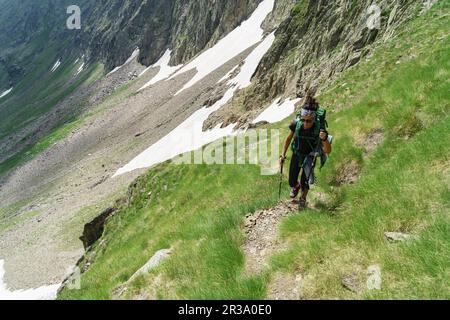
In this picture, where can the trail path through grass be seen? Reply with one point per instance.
(262, 240)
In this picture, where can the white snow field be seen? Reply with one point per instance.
(164, 69)
(131, 58)
(6, 93)
(189, 135)
(42, 293)
(277, 111)
(243, 37)
(56, 65)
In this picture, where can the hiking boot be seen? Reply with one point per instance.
(295, 191)
(301, 204)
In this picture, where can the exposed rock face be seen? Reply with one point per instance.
(94, 229)
(28, 27)
(321, 38)
(111, 30)
(187, 27)
(281, 11)
(318, 40)
(33, 36)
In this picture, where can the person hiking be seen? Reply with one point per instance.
(310, 141)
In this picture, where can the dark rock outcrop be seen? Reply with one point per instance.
(94, 229)
(115, 28)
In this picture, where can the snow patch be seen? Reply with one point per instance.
(243, 37)
(6, 93)
(42, 293)
(164, 69)
(189, 135)
(277, 111)
(131, 58)
(243, 79)
(56, 65)
(80, 69)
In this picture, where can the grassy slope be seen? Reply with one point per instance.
(37, 94)
(403, 186)
(12, 215)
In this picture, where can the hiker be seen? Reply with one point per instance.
(310, 143)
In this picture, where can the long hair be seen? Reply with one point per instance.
(310, 101)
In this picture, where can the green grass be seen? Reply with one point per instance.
(14, 214)
(403, 186)
(70, 123)
(16, 220)
(190, 210)
(38, 93)
(73, 228)
(40, 146)
(57, 134)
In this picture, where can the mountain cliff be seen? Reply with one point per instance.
(34, 38)
(115, 28)
(111, 30)
(317, 41)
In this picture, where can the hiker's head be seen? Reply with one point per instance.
(308, 118)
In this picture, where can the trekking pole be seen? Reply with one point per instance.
(313, 165)
(281, 180)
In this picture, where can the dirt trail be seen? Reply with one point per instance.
(262, 241)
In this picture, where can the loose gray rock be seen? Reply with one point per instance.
(374, 277)
(154, 261)
(351, 283)
(151, 264)
(398, 236)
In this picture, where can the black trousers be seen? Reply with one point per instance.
(294, 172)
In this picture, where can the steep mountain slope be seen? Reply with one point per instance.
(26, 29)
(34, 39)
(112, 29)
(389, 172)
(52, 188)
(313, 45)
(116, 28)
(84, 112)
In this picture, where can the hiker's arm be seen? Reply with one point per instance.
(326, 144)
(287, 143)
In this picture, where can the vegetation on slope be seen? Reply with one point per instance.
(37, 97)
(401, 94)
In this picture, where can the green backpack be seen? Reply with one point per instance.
(320, 124)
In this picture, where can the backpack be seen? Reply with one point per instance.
(320, 124)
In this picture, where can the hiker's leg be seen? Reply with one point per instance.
(294, 171)
(305, 186)
(304, 194)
